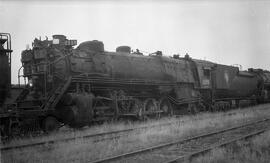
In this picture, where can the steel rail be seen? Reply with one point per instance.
(141, 151)
(102, 134)
(203, 151)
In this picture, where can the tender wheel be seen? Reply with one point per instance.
(192, 109)
(201, 107)
(50, 124)
(165, 106)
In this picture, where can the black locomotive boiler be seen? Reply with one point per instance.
(78, 86)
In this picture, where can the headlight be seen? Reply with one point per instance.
(56, 41)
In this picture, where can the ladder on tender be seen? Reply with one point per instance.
(56, 96)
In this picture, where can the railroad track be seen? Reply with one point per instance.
(96, 137)
(184, 149)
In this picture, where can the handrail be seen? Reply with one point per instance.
(19, 77)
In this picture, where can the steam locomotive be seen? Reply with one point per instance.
(82, 85)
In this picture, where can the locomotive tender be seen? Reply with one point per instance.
(78, 86)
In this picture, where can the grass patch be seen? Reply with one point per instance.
(256, 150)
(85, 150)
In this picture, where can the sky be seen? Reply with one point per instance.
(226, 32)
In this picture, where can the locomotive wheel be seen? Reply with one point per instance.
(15, 130)
(138, 108)
(165, 106)
(50, 124)
(2, 131)
(150, 108)
(4, 127)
